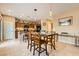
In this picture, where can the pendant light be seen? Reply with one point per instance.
(50, 10)
(35, 12)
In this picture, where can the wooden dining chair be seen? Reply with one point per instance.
(25, 37)
(31, 40)
(51, 39)
(38, 45)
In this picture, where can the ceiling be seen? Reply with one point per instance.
(26, 10)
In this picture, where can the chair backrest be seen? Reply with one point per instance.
(51, 37)
(36, 37)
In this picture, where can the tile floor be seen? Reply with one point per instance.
(19, 48)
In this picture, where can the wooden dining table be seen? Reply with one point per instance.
(45, 35)
(49, 38)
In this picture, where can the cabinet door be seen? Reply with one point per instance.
(63, 39)
(68, 40)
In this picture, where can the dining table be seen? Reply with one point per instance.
(50, 38)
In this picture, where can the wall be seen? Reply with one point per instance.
(72, 29)
(8, 27)
(46, 25)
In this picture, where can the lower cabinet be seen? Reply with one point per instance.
(68, 40)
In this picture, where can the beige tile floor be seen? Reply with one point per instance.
(19, 48)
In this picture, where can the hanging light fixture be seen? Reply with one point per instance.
(35, 11)
(50, 10)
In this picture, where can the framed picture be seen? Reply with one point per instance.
(65, 21)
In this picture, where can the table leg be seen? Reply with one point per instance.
(57, 37)
(76, 41)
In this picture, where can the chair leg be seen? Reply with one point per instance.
(23, 38)
(54, 46)
(34, 50)
(46, 50)
(51, 44)
(39, 49)
(31, 46)
(28, 44)
(26, 39)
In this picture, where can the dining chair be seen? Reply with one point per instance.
(38, 42)
(51, 39)
(25, 37)
(30, 40)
